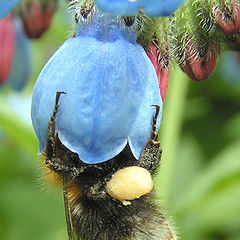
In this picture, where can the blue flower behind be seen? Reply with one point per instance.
(153, 8)
(110, 85)
(22, 62)
(6, 6)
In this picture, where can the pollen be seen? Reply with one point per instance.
(129, 183)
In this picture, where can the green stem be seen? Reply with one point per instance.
(170, 131)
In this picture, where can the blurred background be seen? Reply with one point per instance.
(198, 184)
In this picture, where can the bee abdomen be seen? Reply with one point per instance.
(109, 219)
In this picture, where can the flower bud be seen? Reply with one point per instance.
(197, 66)
(194, 42)
(37, 16)
(161, 66)
(7, 47)
(228, 18)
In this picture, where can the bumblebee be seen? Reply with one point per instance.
(92, 212)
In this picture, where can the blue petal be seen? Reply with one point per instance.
(154, 8)
(6, 6)
(105, 27)
(110, 87)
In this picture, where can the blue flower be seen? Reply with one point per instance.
(22, 62)
(154, 8)
(110, 85)
(6, 6)
(16, 47)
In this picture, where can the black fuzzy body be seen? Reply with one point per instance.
(92, 214)
(98, 216)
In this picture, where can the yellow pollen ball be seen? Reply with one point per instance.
(130, 183)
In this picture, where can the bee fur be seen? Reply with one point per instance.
(91, 213)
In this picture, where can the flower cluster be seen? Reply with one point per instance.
(200, 30)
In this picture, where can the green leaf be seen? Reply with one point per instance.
(214, 187)
(189, 161)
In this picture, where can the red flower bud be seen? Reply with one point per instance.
(197, 67)
(229, 22)
(162, 70)
(37, 17)
(7, 47)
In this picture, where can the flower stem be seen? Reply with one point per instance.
(170, 132)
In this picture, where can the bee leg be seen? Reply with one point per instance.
(151, 154)
(57, 157)
(51, 136)
(53, 149)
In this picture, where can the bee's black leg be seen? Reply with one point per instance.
(51, 124)
(50, 143)
(151, 154)
(52, 150)
(57, 157)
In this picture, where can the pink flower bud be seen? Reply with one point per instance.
(162, 70)
(37, 17)
(7, 47)
(199, 67)
(229, 22)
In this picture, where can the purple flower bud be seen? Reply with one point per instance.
(162, 70)
(199, 67)
(37, 16)
(228, 20)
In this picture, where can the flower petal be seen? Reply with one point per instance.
(109, 87)
(154, 8)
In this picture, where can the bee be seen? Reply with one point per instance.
(92, 212)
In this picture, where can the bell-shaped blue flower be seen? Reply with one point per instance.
(110, 85)
(153, 8)
(6, 6)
